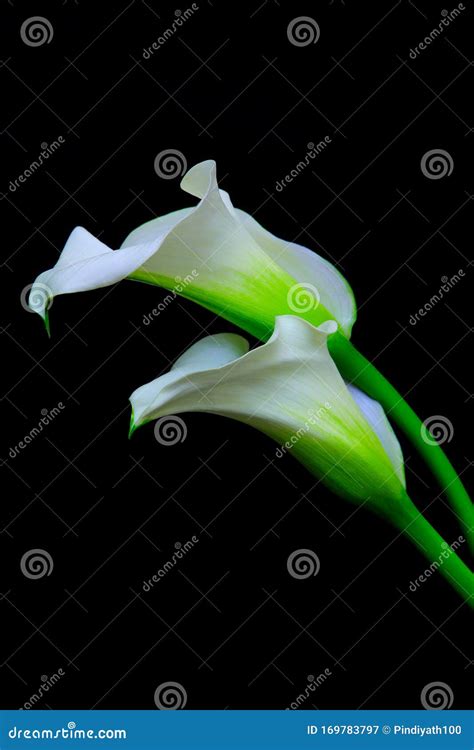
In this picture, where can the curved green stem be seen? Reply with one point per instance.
(357, 369)
(440, 554)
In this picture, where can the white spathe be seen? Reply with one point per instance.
(290, 389)
(235, 267)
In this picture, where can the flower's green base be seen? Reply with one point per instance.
(357, 369)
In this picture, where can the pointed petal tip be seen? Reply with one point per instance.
(133, 426)
(46, 323)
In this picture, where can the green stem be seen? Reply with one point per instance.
(358, 370)
(440, 555)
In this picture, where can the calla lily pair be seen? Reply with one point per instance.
(250, 277)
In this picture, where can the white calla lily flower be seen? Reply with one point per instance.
(290, 389)
(237, 268)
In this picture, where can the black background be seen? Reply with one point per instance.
(228, 623)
